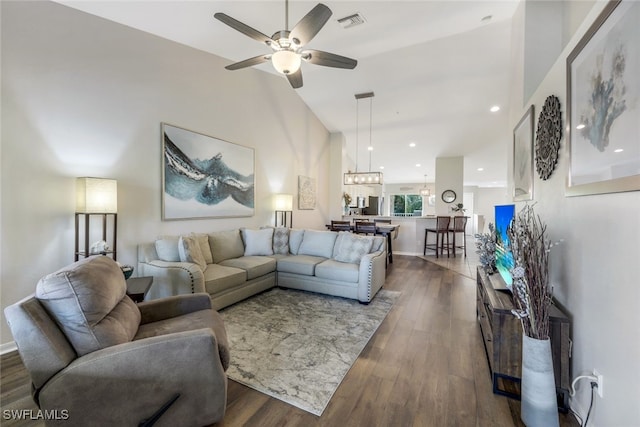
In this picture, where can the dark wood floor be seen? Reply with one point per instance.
(425, 366)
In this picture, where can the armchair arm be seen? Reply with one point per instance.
(124, 384)
(166, 308)
(172, 278)
(372, 275)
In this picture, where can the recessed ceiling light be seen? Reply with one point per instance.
(580, 126)
(480, 169)
(618, 150)
(413, 144)
(381, 167)
(370, 148)
(418, 165)
(495, 109)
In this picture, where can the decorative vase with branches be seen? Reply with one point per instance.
(458, 208)
(532, 296)
(531, 289)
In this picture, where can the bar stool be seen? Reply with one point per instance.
(441, 230)
(459, 226)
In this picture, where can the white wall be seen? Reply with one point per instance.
(82, 96)
(595, 272)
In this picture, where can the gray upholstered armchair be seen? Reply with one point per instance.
(97, 358)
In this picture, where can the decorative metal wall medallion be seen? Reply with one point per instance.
(548, 137)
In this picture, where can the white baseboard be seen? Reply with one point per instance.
(8, 347)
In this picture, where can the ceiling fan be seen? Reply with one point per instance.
(288, 52)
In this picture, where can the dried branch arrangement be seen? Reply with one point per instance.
(531, 290)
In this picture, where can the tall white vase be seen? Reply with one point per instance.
(539, 407)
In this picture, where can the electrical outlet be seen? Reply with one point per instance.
(600, 380)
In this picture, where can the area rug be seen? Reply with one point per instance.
(297, 346)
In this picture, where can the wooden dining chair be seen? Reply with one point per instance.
(459, 226)
(340, 226)
(365, 227)
(441, 231)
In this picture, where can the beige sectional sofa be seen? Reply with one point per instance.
(236, 264)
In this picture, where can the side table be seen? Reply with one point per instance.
(137, 287)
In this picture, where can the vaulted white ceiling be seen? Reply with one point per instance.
(436, 68)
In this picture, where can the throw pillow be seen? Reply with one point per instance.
(258, 242)
(167, 248)
(281, 240)
(189, 250)
(318, 243)
(226, 245)
(353, 247)
(203, 242)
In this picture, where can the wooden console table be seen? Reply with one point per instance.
(137, 287)
(502, 336)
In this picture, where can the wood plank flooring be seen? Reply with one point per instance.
(425, 366)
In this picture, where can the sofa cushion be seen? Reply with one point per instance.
(299, 264)
(281, 240)
(219, 277)
(88, 300)
(226, 245)
(189, 322)
(295, 239)
(167, 248)
(351, 247)
(336, 270)
(379, 243)
(189, 250)
(318, 243)
(258, 242)
(255, 266)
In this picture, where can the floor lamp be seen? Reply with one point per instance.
(283, 205)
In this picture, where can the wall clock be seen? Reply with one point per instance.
(548, 137)
(448, 196)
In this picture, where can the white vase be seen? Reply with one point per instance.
(539, 407)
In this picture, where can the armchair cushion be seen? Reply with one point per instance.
(88, 301)
(201, 319)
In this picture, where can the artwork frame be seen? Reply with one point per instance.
(599, 132)
(306, 193)
(523, 157)
(205, 177)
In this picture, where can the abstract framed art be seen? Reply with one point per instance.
(205, 177)
(603, 109)
(523, 158)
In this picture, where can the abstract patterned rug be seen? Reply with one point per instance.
(297, 346)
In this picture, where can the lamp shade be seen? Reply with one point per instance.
(283, 202)
(96, 195)
(286, 61)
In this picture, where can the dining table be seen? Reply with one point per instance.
(390, 231)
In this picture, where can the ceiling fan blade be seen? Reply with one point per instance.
(295, 79)
(243, 28)
(310, 24)
(327, 59)
(249, 62)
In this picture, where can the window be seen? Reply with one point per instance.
(407, 205)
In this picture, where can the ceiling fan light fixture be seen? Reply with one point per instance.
(286, 61)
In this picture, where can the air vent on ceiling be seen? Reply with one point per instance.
(352, 20)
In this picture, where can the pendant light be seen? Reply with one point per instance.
(357, 177)
(425, 192)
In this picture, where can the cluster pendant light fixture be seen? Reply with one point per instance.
(357, 177)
